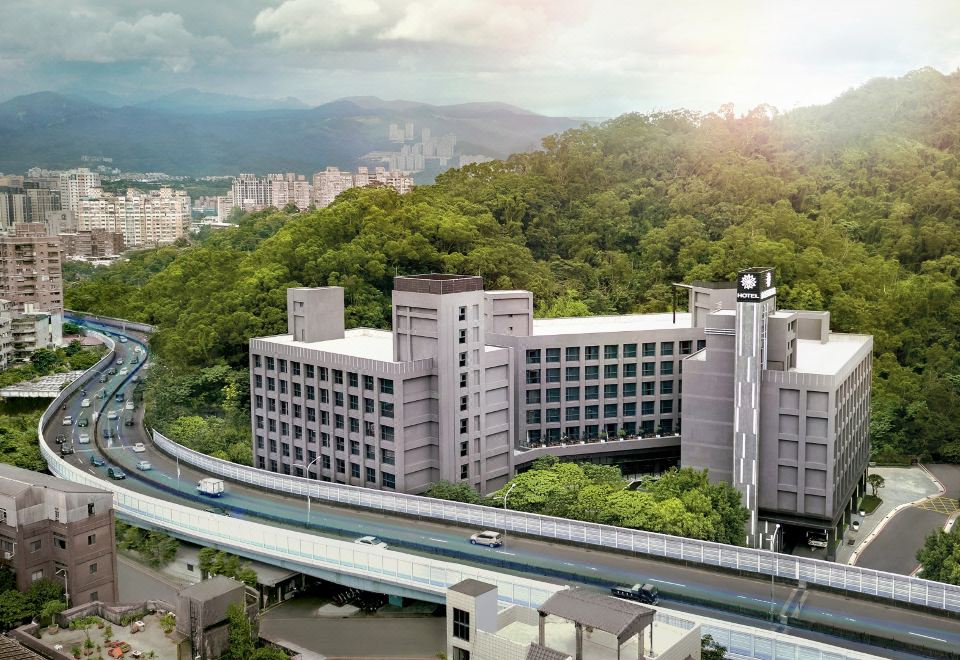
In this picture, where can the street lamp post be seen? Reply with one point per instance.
(505, 496)
(307, 471)
(66, 589)
(773, 548)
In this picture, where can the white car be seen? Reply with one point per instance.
(372, 541)
(112, 414)
(128, 405)
(492, 539)
(83, 439)
(139, 447)
(85, 403)
(68, 420)
(144, 465)
(123, 372)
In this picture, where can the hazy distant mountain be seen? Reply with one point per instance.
(53, 130)
(193, 101)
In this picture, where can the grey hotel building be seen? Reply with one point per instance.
(470, 387)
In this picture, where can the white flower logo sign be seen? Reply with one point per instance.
(748, 281)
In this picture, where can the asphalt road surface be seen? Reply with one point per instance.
(564, 564)
(895, 549)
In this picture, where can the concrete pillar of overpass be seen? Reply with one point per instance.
(540, 627)
(579, 653)
(832, 543)
(640, 642)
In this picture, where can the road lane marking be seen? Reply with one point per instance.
(437, 540)
(504, 552)
(929, 637)
(676, 584)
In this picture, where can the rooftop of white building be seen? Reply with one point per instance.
(830, 357)
(358, 342)
(601, 324)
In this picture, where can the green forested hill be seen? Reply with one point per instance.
(857, 203)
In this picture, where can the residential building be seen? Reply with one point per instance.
(30, 330)
(58, 530)
(153, 217)
(95, 243)
(289, 188)
(250, 192)
(75, 185)
(6, 333)
(13, 207)
(30, 268)
(470, 387)
(572, 624)
(331, 182)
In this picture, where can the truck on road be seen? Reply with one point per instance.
(210, 486)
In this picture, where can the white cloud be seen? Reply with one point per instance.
(324, 24)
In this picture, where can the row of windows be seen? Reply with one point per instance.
(387, 456)
(353, 403)
(369, 428)
(592, 372)
(594, 431)
(610, 351)
(59, 542)
(610, 410)
(592, 392)
(353, 379)
(387, 479)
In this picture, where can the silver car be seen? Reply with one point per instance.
(492, 539)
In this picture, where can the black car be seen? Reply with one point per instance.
(66, 448)
(61, 439)
(96, 461)
(116, 473)
(107, 434)
(642, 593)
(219, 510)
(103, 379)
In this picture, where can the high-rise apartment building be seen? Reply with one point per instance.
(58, 530)
(289, 188)
(75, 185)
(330, 183)
(250, 192)
(154, 217)
(96, 243)
(6, 336)
(30, 268)
(468, 386)
(25, 201)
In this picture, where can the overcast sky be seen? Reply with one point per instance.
(560, 57)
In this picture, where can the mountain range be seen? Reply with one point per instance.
(198, 133)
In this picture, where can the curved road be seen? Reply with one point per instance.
(704, 591)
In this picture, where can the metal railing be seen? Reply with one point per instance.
(855, 579)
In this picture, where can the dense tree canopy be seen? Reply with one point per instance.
(856, 203)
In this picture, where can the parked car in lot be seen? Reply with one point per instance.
(492, 539)
(84, 438)
(371, 541)
(66, 448)
(144, 465)
(139, 447)
(116, 473)
(642, 593)
(96, 461)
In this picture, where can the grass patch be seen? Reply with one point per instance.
(869, 503)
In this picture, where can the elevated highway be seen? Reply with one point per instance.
(695, 588)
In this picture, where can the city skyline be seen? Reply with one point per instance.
(552, 58)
